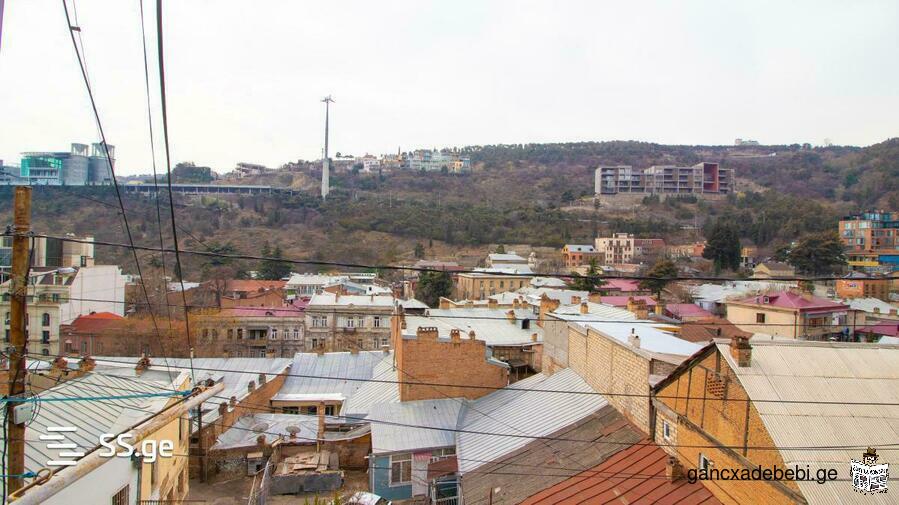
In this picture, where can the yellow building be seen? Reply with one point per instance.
(482, 284)
(788, 314)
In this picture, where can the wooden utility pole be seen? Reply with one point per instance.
(18, 286)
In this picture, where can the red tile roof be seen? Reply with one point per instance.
(623, 285)
(890, 328)
(249, 285)
(95, 322)
(634, 475)
(795, 301)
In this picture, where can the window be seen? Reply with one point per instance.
(240, 333)
(378, 322)
(45, 319)
(760, 317)
(400, 469)
(296, 333)
(230, 333)
(441, 454)
(290, 410)
(205, 333)
(319, 321)
(121, 496)
(45, 352)
(7, 335)
(704, 462)
(666, 430)
(54, 297)
(215, 334)
(45, 337)
(7, 318)
(274, 334)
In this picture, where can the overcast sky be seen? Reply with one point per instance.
(245, 78)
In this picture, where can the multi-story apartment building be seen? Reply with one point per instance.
(436, 161)
(619, 248)
(575, 255)
(872, 240)
(338, 322)
(52, 252)
(82, 165)
(485, 282)
(59, 295)
(250, 332)
(702, 179)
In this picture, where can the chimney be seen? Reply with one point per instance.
(510, 315)
(60, 364)
(260, 440)
(320, 350)
(455, 335)
(633, 339)
(585, 309)
(492, 303)
(223, 408)
(321, 423)
(534, 337)
(337, 296)
(251, 386)
(354, 349)
(892, 312)
(471, 335)
(674, 470)
(142, 364)
(426, 332)
(515, 304)
(741, 351)
(575, 300)
(261, 379)
(232, 402)
(660, 308)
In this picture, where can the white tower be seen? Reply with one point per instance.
(326, 161)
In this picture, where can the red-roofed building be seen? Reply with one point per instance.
(252, 331)
(107, 334)
(639, 474)
(686, 312)
(882, 329)
(622, 301)
(626, 287)
(789, 314)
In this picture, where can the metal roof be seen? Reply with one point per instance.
(490, 325)
(372, 393)
(234, 373)
(831, 372)
(247, 429)
(91, 418)
(869, 304)
(331, 300)
(517, 410)
(311, 373)
(718, 293)
(387, 438)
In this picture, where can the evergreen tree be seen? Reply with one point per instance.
(589, 282)
(663, 272)
(433, 285)
(818, 254)
(723, 246)
(419, 251)
(272, 268)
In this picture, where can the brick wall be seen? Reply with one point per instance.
(607, 365)
(457, 360)
(712, 409)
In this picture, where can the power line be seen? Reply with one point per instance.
(494, 388)
(168, 168)
(434, 270)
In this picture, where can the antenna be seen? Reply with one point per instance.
(326, 161)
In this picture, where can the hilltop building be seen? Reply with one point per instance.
(82, 165)
(702, 180)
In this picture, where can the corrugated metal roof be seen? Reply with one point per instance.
(332, 300)
(516, 410)
(869, 304)
(91, 418)
(371, 393)
(388, 438)
(311, 372)
(828, 372)
(490, 325)
(234, 373)
(247, 429)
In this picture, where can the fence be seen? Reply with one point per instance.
(262, 481)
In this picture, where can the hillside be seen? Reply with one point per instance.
(533, 195)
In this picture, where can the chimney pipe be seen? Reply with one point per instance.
(634, 339)
(585, 309)
(674, 470)
(741, 351)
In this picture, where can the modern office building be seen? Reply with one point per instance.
(82, 165)
(703, 179)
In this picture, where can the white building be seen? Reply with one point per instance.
(619, 248)
(59, 295)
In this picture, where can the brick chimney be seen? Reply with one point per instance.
(223, 408)
(142, 364)
(320, 350)
(426, 332)
(321, 423)
(261, 379)
(547, 305)
(633, 339)
(87, 364)
(59, 365)
(660, 308)
(575, 299)
(455, 336)
(638, 307)
(585, 309)
(492, 303)
(741, 351)
(251, 386)
(515, 303)
(510, 316)
(471, 335)
(232, 402)
(534, 337)
(674, 470)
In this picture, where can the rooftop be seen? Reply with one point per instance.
(330, 376)
(331, 299)
(794, 301)
(389, 436)
(836, 373)
(580, 248)
(621, 301)
(494, 326)
(681, 310)
(623, 285)
(510, 257)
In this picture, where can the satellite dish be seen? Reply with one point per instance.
(260, 427)
(293, 429)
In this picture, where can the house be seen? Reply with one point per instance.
(510, 335)
(692, 251)
(712, 297)
(685, 312)
(498, 260)
(575, 255)
(741, 405)
(52, 252)
(553, 318)
(116, 480)
(622, 287)
(108, 334)
(405, 458)
(56, 297)
(862, 285)
(484, 282)
(649, 247)
(773, 270)
(247, 383)
(866, 311)
(619, 248)
(253, 332)
(306, 285)
(630, 302)
(338, 322)
(885, 330)
(789, 314)
(703, 331)
(331, 379)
